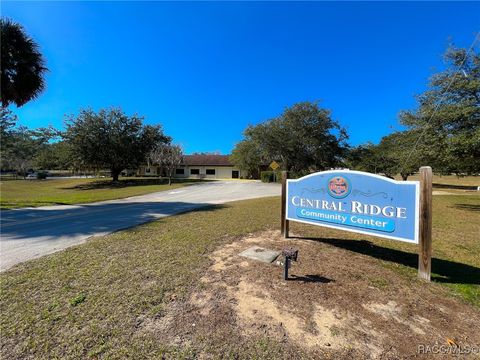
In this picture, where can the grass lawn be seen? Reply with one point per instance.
(24, 193)
(93, 300)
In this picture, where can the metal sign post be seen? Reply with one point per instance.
(289, 254)
(274, 166)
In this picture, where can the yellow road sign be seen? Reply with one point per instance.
(274, 165)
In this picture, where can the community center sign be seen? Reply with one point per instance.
(356, 201)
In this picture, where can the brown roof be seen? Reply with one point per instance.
(206, 160)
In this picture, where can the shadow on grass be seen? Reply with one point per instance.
(48, 230)
(5, 205)
(451, 186)
(123, 183)
(444, 271)
(90, 219)
(310, 279)
(468, 207)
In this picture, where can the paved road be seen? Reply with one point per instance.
(33, 232)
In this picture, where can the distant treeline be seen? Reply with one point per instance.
(443, 131)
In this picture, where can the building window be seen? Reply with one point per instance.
(194, 171)
(210, 172)
(180, 171)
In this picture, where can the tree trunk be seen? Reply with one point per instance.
(115, 174)
(404, 177)
(170, 180)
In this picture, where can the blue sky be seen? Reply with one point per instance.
(206, 70)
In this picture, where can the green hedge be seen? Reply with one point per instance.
(271, 176)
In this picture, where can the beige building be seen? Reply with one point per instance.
(200, 167)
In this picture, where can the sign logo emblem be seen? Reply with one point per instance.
(339, 187)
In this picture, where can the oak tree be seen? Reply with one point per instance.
(111, 139)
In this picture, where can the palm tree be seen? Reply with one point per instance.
(22, 65)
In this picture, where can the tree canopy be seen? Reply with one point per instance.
(111, 139)
(247, 157)
(447, 118)
(303, 138)
(442, 132)
(390, 157)
(23, 66)
(55, 156)
(19, 145)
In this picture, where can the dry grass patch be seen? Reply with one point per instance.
(331, 308)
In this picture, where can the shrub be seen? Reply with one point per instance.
(265, 176)
(271, 176)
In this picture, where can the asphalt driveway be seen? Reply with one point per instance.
(33, 232)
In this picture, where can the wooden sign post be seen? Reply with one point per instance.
(425, 226)
(285, 225)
